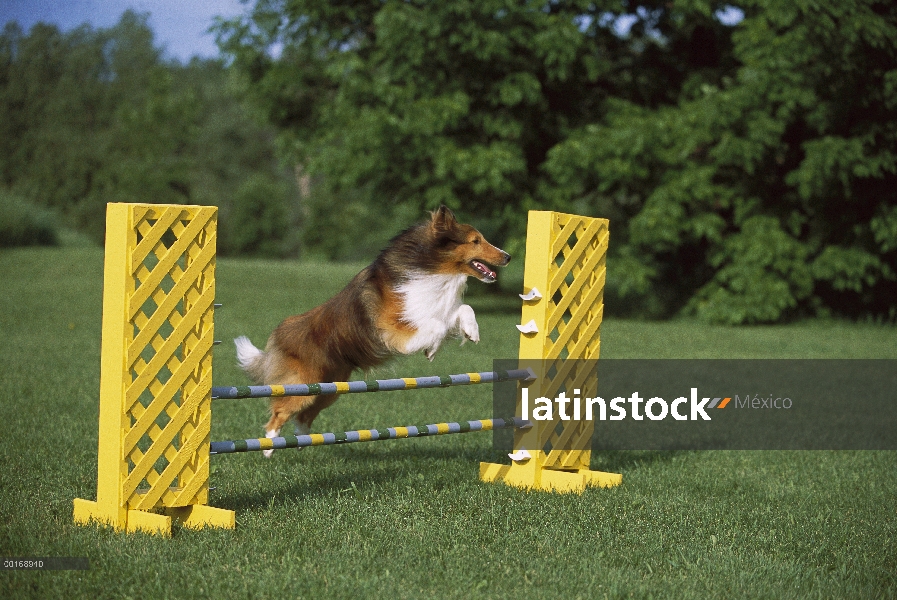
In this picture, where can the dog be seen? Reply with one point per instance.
(407, 301)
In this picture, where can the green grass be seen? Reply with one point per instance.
(409, 518)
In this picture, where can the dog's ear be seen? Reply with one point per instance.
(443, 219)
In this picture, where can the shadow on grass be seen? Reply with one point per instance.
(617, 461)
(392, 468)
(365, 472)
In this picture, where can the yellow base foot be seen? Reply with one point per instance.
(195, 516)
(198, 516)
(86, 511)
(534, 478)
(147, 522)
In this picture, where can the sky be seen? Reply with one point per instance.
(179, 26)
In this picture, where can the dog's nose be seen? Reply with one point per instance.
(505, 257)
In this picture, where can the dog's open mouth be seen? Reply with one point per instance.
(488, 274)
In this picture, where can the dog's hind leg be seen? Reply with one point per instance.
(307, 415)
(313, 407)
(304, 409)
(281, 411)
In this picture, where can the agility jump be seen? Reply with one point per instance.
(361, 387)
(156, 367)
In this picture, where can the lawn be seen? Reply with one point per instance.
(409, 518)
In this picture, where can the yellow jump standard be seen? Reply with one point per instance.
(156, 370)
(565, 262)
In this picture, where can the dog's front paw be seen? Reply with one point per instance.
(472, 334)
(468, 323)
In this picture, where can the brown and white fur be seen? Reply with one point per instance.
(408, 300)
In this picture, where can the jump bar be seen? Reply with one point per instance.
(364, 435)
(379, 385)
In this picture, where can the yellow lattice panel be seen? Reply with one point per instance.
(565, 261)
(156, 371)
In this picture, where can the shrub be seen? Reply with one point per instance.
(25, 224)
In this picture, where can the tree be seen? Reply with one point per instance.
(233, 166)
(91, 116)
(771, 194)
(414, 104)
(91, 120)
(749, 170)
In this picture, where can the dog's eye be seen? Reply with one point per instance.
(476, 240)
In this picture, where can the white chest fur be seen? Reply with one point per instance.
(427, 297)
(432, 305)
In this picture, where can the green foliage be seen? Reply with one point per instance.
(417, 104)
(769, 193)
(24, 224)
(750, 171)
(761, 272)
(258, 222)
(345, 228)
(232, 165)
(884, 228)
(91, 116)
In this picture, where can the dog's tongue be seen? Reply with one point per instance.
(484, 270)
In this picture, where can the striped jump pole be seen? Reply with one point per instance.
(379, 385)
(365, 435)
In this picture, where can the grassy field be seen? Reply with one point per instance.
(409, 518)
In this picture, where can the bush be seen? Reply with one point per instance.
(261, 221)
(343, 227)
(25, 224)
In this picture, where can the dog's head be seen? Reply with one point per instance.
(463, 249)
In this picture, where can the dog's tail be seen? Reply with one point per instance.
(250, 358)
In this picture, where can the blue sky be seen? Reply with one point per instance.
(179, 25)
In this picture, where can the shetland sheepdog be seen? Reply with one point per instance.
(408, 300)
